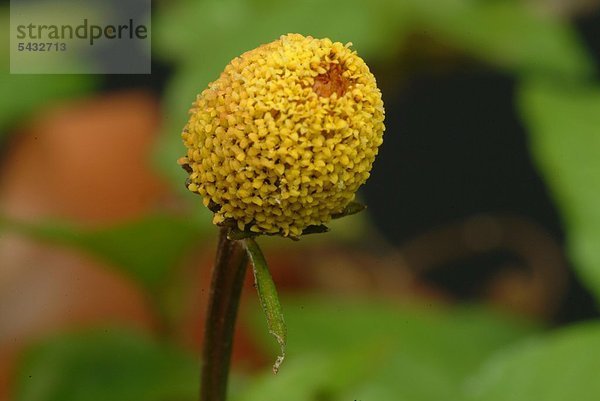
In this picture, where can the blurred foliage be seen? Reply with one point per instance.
(109, 364)
(512, 34)
(340, 350)
(146, 249)
(24, 94)
(558, 367)
(564, 125)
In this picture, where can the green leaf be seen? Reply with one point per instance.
(565, 140)
(370, 350)
(102, 365)
(512, 34)
(562, 366)
(146, 249)
(269, 300)
(184, 32)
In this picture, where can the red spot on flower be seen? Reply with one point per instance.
(331, 82)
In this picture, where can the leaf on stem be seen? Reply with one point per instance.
(269, 300)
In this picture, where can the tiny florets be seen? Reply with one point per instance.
(285, 136)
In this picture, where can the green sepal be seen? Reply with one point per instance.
(315, 229)
(350, 209)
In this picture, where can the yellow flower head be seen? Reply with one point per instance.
(285, 136)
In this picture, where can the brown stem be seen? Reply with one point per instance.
(226, 287)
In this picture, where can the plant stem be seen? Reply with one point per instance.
(226, 287)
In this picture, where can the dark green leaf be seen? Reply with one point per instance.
(103, 365)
